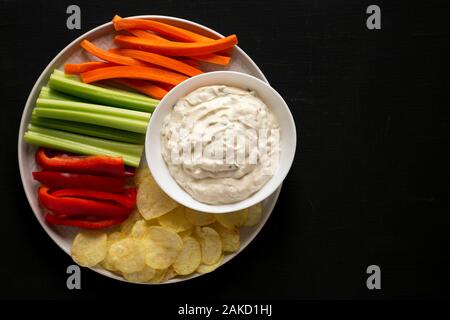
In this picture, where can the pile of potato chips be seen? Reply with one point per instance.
(162, 239)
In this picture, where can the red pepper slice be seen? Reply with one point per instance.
(55, 179)
(86, 224)
(98, 165)
(67, 206)
(128, 199)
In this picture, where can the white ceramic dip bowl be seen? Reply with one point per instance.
(266, 93)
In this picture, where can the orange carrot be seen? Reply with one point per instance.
(159, 60)
(189, 61)
(143, 86)
(213, 58)
(147, 35)
(77, 68)
(141, 33)
(160, 27)
(165, 86)
(177, 48)
(210, 58)
(116, 18)
(109, 56)
(133, 72)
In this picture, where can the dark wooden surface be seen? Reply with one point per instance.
(370, 182)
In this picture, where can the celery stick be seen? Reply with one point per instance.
(103, 84)
(107, 85)
(90, 130)
(121, 147)
(94, 108)
(101, 95)
(116, 122)
(48, 93)
(50, 141)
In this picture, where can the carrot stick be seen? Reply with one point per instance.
(189, 61)
(159, 60)
(213, 58)
(148, 35)
(165, 86)
(140, 33)
(145, 87)
(177, 48)
(133, 72)
(77, 68)
(116, 18)
(160, 27)
(109, 56)
(210, 58)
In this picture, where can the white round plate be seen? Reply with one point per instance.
(103, 37)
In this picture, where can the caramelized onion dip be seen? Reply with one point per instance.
(202, 157)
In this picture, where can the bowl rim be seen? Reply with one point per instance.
(53, 234)
(151, 153)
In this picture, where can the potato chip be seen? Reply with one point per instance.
(169, 274)
(159, 276)
(126, 226)
(204, 268)
(189, 257)
(151, 201)
(210, 243)
(141, 174)
(233, 219)
(162, 247)
(175, 220)
(139, 229)
(115, 236)
(254, 215)
(186, 233)
(144, 275)
(153, 222)
(112, 238)
(128, 255)
(198, 218)
(89, 248)
(108, 264)
(158, 256)
(231, 238)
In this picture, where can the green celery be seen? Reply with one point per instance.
(103, 85)
(123, 147)
(47, 93)
(128, 148)
(116, 98)
(55, 142)
(94, 108)
(89, 129)
(116, 122)
(110, 85)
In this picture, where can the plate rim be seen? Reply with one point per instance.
(20, 144)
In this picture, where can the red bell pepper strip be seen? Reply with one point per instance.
(86, 224)
(128, 199)
(68, 206)
(98, 165)
(55, 179)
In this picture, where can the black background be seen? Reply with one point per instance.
(370, 181)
